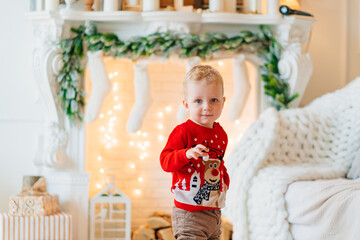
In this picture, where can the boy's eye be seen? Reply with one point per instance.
(214, 100)
(198, 101)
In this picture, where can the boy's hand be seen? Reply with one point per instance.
(197, 151)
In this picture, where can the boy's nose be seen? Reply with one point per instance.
(206, 106)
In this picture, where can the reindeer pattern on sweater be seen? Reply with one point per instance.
(198, 184)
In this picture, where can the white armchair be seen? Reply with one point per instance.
(319, 141)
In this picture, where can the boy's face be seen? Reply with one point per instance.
(204, 102)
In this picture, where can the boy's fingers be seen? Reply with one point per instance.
(202, 147)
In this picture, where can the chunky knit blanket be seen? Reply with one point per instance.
(315, 142)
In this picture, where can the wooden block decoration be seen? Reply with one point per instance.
(53, 227)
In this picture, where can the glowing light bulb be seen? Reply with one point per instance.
(237, 122)
(140, 179)
(114, 141)
(144, 134)
(160, 114)
(132, 143)
(111, 75)
(98, 186)
(161, 138)
(220, 63)
(109, 112)
(116, 73)
(138, 133)
(132, 166)
(101, 170)
(137, 191)
(99, 158)
(117, 107)
(160, 126)
(116, 98)
(101, 115)
(102, 129)
(168, 108)
(108, 146)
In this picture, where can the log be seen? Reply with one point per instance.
(165, 216)
(226, 229)
(157, 222)
(166, 234)
(137, 235)
(145, 230)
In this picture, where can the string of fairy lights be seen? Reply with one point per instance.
(140, 142)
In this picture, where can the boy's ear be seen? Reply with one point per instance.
(186, 105)
(224, 101)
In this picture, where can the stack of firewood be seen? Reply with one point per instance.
(158, 226)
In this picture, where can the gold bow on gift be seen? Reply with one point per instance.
(38, 189)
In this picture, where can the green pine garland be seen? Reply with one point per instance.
(205, 45)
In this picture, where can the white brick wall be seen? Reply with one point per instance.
(166, 87)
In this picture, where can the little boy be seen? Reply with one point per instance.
(194, 155)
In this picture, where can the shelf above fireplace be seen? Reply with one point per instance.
(169, 16)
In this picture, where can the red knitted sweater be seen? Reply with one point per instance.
(198, 184)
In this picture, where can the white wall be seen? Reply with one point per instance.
(20, 109)
(353, 41)
(327, 47)
(21, 118)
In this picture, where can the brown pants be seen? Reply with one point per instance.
(196, 225)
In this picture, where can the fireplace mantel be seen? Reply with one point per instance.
(62, 145)
(127, 20)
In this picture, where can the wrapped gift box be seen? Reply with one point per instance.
(33, 205)
(53, 227)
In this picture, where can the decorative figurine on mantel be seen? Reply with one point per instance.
(132, 5)
(88, 5)
(150, 5)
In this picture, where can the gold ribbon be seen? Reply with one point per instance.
(38, 189)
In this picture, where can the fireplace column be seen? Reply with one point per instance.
(60, 155)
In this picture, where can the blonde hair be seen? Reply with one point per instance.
(203, 73)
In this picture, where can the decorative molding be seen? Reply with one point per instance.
(297, 68)
(295, 63)
(52, 144)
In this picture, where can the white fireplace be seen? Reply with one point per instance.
(76, 158)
